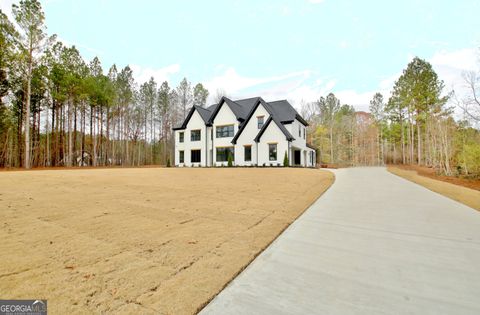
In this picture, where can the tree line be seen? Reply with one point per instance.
(56, 109)
(415, 125)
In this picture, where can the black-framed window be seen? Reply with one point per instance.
(260, 121)
(304, 132)
(223, 153)
(181, 156)
(181, 137)
(272, 151)
(224, 131)
(248, 153)
(195, 156)
(195, 135)
(299, 130)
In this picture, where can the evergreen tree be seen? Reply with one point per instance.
(200, 95)
(285, 160)
(31, 41)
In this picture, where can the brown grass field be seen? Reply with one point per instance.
(148, 240)
(467, 196)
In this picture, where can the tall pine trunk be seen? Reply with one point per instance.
(27, 109)
(70, 134)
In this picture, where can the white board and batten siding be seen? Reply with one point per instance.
(260, 155)
(224, 117)
(272, 135)
(247, 137)
(299, 132)
(195, 123)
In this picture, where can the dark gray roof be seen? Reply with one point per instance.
(277, 121)
(204, 112)
(247, 105)
(284, 130)
(285, 112)
(281, 113)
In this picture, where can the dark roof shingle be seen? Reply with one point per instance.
(281, 112)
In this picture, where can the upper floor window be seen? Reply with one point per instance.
(272, 151)
(195, 135)
(224, 131)
(181, 136)
(304, 132)
(299, 130)
(260, 121)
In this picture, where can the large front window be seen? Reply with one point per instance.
(195, 156)
(224, 131)
(223, 153)
(195, 135)
(272, 151)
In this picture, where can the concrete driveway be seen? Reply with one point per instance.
(374, 243)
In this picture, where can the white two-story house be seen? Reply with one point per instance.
(252, 131)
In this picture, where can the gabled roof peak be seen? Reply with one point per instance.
(281, 110)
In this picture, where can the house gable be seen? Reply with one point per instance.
(236, 110)
(271, 135)
(195, 121)
(202, 112)
(223, 116)
(280, 126)
(249, 128)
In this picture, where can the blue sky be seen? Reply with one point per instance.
(296, 50)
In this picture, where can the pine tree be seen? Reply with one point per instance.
(200, 95)
(30, 17)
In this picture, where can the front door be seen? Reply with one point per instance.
(296, 157)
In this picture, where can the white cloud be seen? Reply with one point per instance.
(6, 7)
(360, 100)
(296, 91)
(388, 82)
(90, 50)
(344, 44)
(464, 59)
(234, 83)
(450, 65)
(143, 74)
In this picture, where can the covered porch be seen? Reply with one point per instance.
(302, 157)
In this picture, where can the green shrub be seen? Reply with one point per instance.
(230, 160)
(285, 160)
(168, 163)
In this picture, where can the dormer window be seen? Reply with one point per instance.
(260, 121)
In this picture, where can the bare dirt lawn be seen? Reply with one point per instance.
(452, 190)
(430, 173)
(150, 240)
